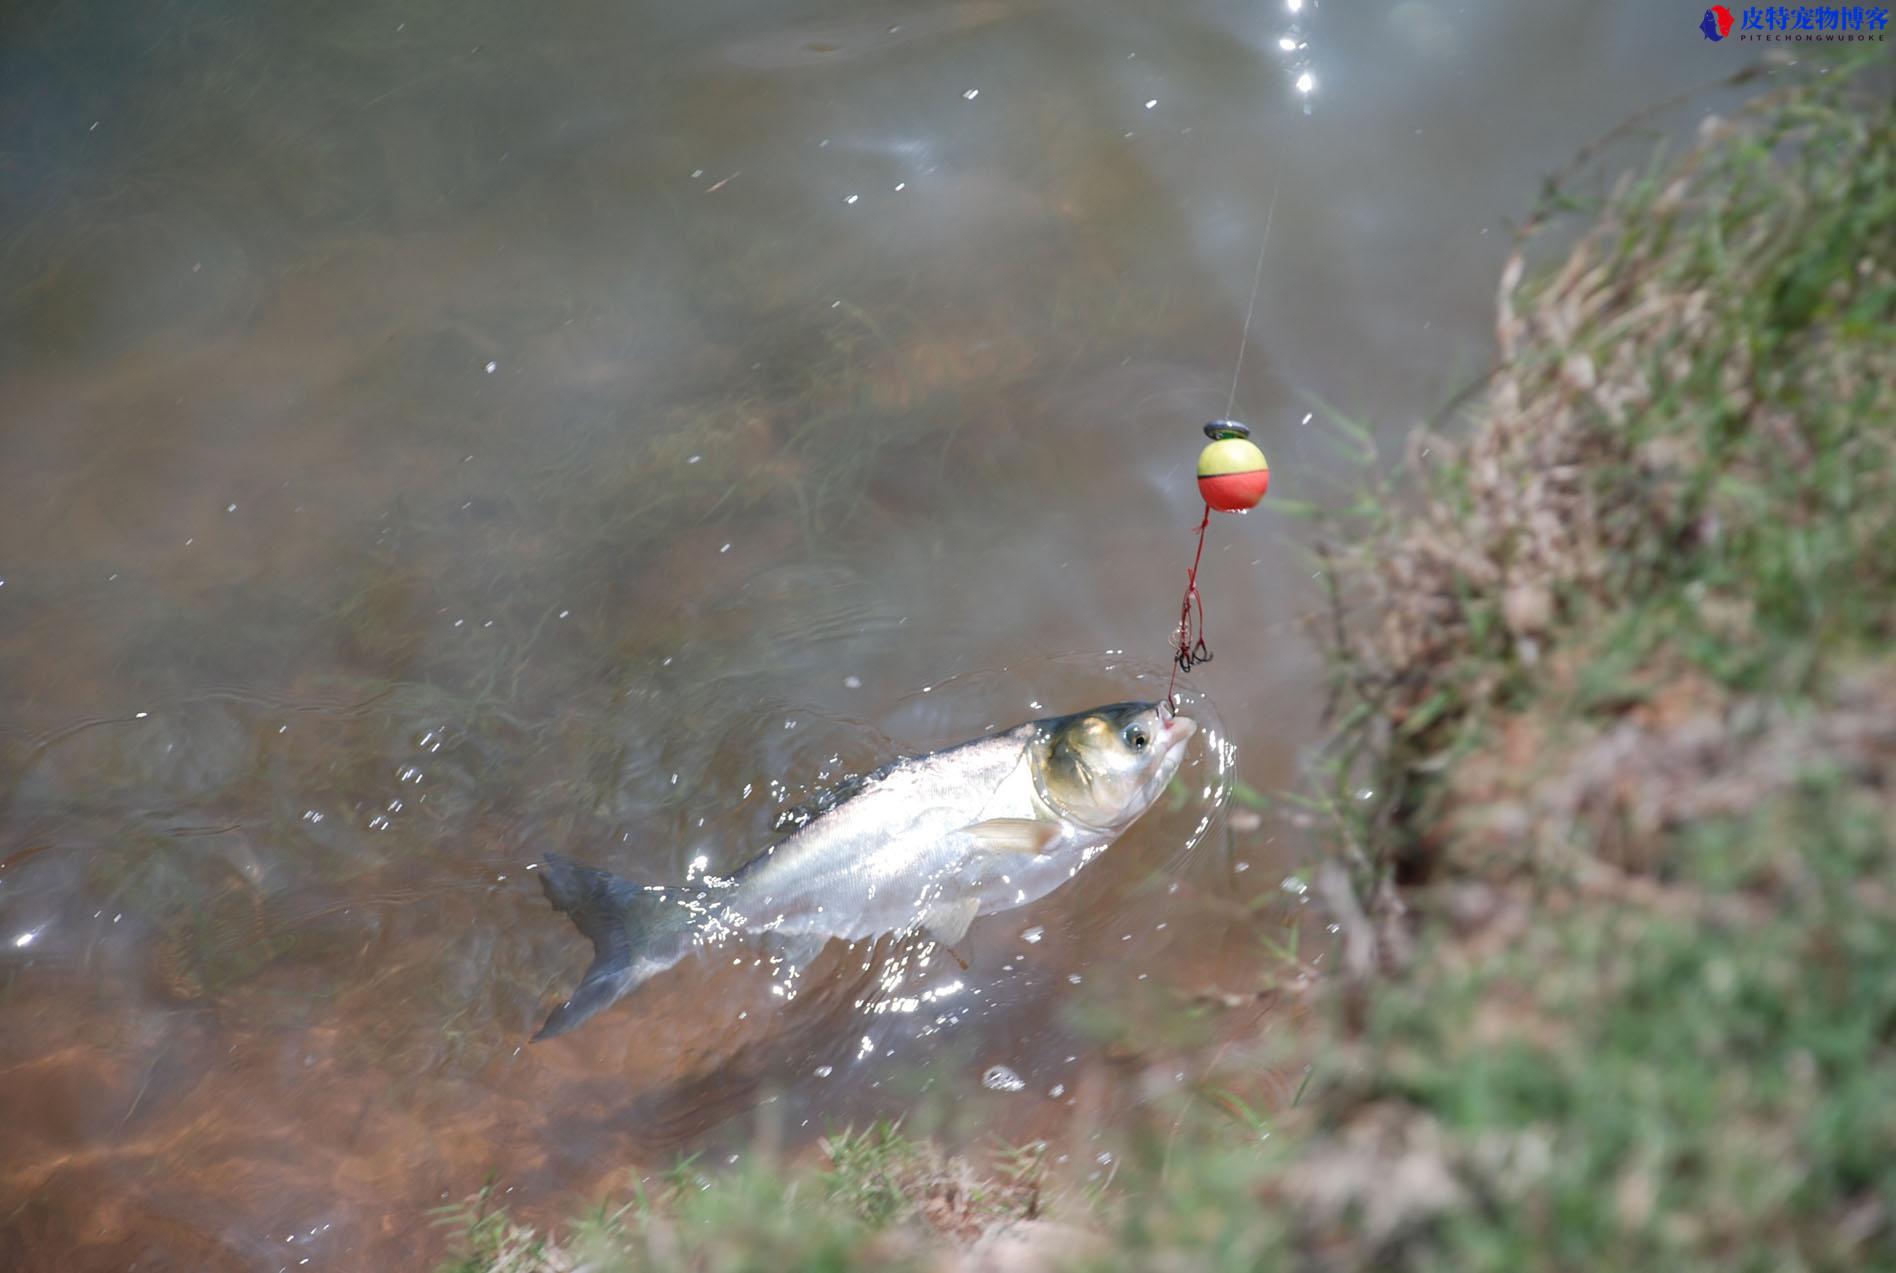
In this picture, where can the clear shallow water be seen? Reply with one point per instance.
(434, 434)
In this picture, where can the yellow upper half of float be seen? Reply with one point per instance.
(1230, 455)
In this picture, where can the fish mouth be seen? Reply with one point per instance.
(1176, 732)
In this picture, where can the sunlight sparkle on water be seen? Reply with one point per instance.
(1306, 82)
(26, 939)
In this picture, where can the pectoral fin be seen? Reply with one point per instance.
(947, 922)
(1014, 835)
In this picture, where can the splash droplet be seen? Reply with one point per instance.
(1001, 1079)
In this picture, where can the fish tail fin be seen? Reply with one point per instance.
(633, 929)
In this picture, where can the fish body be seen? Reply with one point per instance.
(924, 845)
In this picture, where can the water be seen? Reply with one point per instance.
(440, 432)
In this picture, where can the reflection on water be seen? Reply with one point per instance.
(435, 433)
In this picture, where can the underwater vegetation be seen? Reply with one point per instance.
(1608, 801)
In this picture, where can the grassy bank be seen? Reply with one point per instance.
(1612, 799)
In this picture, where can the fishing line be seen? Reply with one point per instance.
(1232, 477)
(1257, 276)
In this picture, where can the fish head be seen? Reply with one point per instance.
(1103, 768)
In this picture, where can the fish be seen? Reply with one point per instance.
(923, 846)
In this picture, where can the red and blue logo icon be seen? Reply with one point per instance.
(1716, 24)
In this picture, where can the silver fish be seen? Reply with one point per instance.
(922, 846)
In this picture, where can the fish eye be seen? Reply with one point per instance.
(1135, 738)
